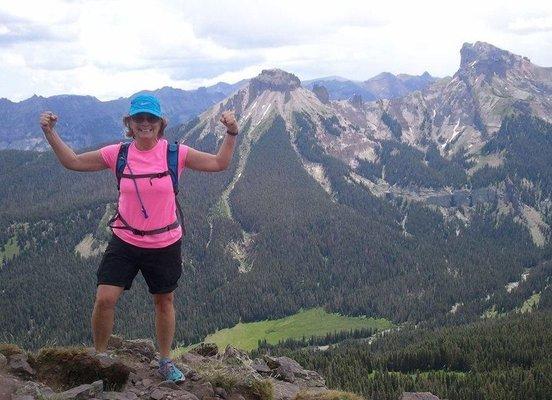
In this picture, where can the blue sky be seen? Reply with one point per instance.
(110, 49)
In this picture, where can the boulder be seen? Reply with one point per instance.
(271, 362)
(235, 356)
(147, 383)
(260, 366)
(139, 347)
(169, 385)
(18, 365)
(35, 389)
(193, 375)
(288, 370)
(202, 390)
(133, 378)
(8, 386)
(287, 391)
(221, 392)
(185, 395)
(119, 396)
(83, 392)
(158, 394)
(191, 358)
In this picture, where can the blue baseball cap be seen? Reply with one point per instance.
(145, 103)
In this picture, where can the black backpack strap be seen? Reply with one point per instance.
(139, 232)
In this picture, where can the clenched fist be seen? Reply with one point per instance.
(229, 120)
(47, 121)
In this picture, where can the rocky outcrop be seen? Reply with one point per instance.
(129, 371)
(275, 80)
(321, 93)
(484, 58)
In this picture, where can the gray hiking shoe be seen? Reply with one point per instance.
(169, 371)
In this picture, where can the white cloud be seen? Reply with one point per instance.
(113, 48)
(529, 25)
(262, 24)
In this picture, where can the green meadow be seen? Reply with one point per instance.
(9, 250)
(307, 323)
(531, 303)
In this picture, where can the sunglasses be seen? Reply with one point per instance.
(142, 117)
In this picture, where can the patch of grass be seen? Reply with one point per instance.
(236, 379)
(179, 351)
(313, 322)
(492, 313)
(223, 379)
(531, 303)
(8, 349)
(328, 395)
(9, 250)
(261, 389)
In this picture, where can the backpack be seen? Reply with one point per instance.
(172, 164)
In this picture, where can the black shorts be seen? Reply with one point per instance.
(121, 262)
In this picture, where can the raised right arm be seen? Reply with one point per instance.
(89, 161)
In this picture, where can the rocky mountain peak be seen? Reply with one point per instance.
(484, 58)
(384, 76)
(275, 80)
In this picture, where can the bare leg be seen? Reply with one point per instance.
(103, 315)
(165, 322)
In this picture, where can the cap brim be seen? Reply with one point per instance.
(143, 110)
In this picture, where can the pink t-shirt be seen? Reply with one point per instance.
(157, 194)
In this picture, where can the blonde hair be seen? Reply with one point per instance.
(129, 133)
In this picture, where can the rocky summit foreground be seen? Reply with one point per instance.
(130, 372)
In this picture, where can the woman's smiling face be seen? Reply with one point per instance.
(145, 125)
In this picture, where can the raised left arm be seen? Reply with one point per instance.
(201, 161)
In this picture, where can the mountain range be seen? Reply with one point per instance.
(431, 208)
(86, 121)
(383, 86)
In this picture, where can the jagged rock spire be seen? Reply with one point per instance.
(276, 80)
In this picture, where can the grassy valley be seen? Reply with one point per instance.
(305, 324)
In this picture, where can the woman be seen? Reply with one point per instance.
(148, 206)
